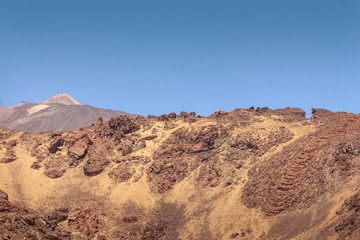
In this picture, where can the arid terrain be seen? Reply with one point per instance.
(246, 174)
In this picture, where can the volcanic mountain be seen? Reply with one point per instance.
(58, 113)
(245, 174)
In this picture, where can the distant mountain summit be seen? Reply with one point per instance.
(59, 113)
(63, 99)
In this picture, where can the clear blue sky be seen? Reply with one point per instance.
(155, 57)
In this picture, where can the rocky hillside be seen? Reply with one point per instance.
(245, 174)
(59, 113)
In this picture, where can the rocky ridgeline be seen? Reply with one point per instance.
(185, 150)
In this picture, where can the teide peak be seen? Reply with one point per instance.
(59, 113)
(62, 99)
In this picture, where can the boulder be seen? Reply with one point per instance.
(99, 122)
(151, 137)
(3, 195)
(172, 115)
(54, 146)
(36, 165)
(9, 157)
(54, 172)
(140, 145)
(12, 143)
(79, 149)
(130, 219)
(184, 114)
(93, 167)
(127, 148)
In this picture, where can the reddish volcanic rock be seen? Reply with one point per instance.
(94, 167)
(153, 231)
(80, 148)
(318, 113)
(172, 115)
(151, 137)
(127, 148)
(36, 165)
(21, 223)
(140, 145)
(9, 156)
(85, 221)
(172, 158)
(123, 125)
(3, 195)
(350, 215)
(130, 219)
(12, 143)
(293, 177)
(121, 173)
(54, 172)
(54, 146)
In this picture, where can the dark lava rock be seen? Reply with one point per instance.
(140, 145)
(130, 219)
(121, 173)
(12, 143)
(123, 124)
(54, 146)
(234, 235)
(85, 221)
(21, 223)
(172, 115)
(127, 149)
(54, 172)
(36, 165)
(3, 195)
(151, 137)
(79, 149)
(318, 113)
(93, 167)
(9, 157)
